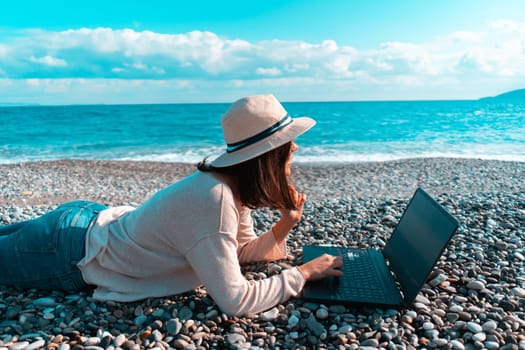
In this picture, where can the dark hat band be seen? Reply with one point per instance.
(232, 147)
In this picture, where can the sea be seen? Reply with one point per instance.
(345, 131)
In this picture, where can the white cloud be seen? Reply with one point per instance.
(508, 26)
(5, 82)
(108, 53)
(268, 71)
(339, 64)
(140, 67)
(4, 50)
(236, 83)
(82, 91)
(474, 61)
(296, 67)
(48, 61)
(33, 82)
(329, 45)
(199, 59)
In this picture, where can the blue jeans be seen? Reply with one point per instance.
(43, 253)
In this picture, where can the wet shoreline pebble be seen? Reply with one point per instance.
(474, 299)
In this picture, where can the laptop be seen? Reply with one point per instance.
(393, 277)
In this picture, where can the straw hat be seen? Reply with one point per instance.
(255, 125)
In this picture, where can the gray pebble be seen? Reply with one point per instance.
(489, 326)
(185, 313)
(322, 313)
(119, 340)
(46, 301)
(139, 320)
(235, 338)
(35, 345)
(480, 337)
(19, 345)
(173, 326)
(270, 315)
(370, 343)
(476, 285)
(457, 345)
(478, 281)
(492, 345)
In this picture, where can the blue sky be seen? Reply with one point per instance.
(65, 52)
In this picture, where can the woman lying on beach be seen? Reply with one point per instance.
(195, 232)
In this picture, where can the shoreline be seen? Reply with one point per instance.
(295, 161)
(132, 182)
(474, 298)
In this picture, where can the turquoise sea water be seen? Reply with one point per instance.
(345, 131)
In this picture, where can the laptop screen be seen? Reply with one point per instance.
(418, 241)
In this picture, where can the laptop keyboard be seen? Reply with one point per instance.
(358, 267)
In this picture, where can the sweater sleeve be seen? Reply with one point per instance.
(257, 248)
(214, 260)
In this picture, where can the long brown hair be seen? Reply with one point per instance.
(262, 181)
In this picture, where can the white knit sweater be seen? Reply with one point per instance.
(191, 233)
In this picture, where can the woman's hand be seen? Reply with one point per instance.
(289, 217)
(321, 267)
(294, 215)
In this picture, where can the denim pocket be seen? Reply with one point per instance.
(40, 236)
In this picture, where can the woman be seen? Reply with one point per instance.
(195, 232)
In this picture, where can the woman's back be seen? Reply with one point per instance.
(158, 234)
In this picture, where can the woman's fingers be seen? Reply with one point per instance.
(301, 200)
(336, 266)
(298, 198)
(323, 266)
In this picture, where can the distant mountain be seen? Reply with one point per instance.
(515, 95)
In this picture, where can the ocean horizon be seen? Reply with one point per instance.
(360, 131)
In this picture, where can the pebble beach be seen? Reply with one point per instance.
(474, 298)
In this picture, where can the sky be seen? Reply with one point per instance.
(91, 52)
